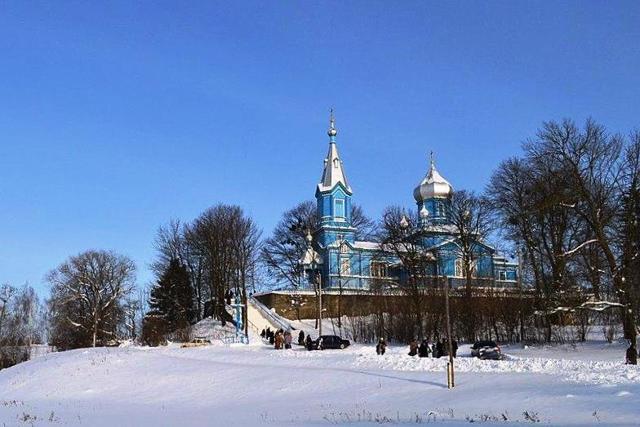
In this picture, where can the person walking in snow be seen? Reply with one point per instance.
(439, 351)
(263, 334)
(632, 355)
(454, 347)
(381, 347)
(287, 340)
(309, 343)
(278, 340)
(413, 347)
(424, 349)
(301, 338)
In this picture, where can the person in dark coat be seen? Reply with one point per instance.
(301, 338)
(632, 355)
(424, 349)
(381, 347)
(439, 351)
(309, 343)
(272, 338)
(413, 347)
(263, 333)
(454, 347)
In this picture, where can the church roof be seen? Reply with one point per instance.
(433, 185)
(333, 173)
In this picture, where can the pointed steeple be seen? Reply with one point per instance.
(333, 172)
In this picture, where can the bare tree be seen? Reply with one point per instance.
(401, 235)
(227, 242)
(595, 165)
(471, 220)
(281, 253)
(534, 207)
(88, 292)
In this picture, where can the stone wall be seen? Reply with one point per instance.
(350, 304)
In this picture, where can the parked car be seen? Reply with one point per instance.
(486, 350)
(331, 342)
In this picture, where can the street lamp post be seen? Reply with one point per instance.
(341, 250)
(313, 264)
(319, 304)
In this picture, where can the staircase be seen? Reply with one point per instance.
(260, 316)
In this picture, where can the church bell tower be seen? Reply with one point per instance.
(333, 197)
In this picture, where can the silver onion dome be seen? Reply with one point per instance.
(432, 186)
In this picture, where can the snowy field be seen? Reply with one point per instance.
(255, 385)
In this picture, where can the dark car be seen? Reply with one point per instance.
(331, 342)
(486, 350)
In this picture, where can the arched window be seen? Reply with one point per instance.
(378, 269)
(459, 270)
(339, 208)
(345, 266)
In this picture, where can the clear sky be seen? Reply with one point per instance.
(117, 116)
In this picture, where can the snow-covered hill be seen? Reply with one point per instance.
(256, 385)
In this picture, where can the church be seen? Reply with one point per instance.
(338, 261)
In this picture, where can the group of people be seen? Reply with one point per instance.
(425, 349)
(438, 349)
(282, 339)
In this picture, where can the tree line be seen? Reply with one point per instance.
(569, 205)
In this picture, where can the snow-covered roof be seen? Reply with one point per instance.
(432, 186)
(440, 228)
(366, 245)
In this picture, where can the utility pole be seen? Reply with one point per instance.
(450, 375)
(319, 304)
(520, 296)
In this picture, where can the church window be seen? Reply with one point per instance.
(502, 275)
(345, 266)
(378, 269)
(459, 270)
(339, 208)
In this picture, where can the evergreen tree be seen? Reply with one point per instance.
(172, 297)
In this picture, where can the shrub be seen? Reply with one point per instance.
(154, 331)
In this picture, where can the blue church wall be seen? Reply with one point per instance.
(330, 210)
(438, 209)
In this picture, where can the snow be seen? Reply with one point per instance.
(253, 385)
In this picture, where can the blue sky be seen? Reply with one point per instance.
(117, 116)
